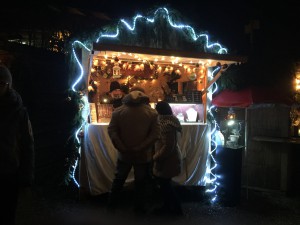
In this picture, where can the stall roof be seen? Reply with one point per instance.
(248, 96)
(134, 53)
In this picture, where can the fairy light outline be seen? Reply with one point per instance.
(213, 182)
(189, 28)
(194, 36)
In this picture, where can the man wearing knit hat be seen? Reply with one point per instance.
(116, 94)
(16, 148)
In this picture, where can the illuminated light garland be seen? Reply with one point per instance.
(78, 62)
(84, 114)
(190, 29)
(193, 35)
(213, 182)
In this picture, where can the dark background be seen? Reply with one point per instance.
(277, 23)
(42, 76)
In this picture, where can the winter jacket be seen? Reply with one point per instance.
(167, 157)
(16, 140)
(134, 128)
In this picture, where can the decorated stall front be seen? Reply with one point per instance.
(171, 62)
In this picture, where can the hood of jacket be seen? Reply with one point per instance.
(135, 98)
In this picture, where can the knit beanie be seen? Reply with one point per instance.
(114, 85)
(5, 75)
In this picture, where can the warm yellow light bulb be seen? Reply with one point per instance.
(95, 62)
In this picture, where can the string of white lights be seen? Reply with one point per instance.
(193, 35)
(213, 181)
(190, 29)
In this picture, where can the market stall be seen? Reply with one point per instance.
(184, 94)
(182, 76)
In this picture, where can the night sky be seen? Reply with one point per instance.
(224, 21)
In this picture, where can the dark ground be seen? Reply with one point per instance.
(53, 205)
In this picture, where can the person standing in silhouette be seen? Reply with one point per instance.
(133, 130)
(16, 148)
(167, 159)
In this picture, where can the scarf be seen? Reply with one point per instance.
(169, 120)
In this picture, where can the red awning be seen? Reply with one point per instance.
(246, 97)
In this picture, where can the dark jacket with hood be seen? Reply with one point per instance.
(16, 139)
(134, 128)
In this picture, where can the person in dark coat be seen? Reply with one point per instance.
(16, 148)
(167, 159)
(133, 130)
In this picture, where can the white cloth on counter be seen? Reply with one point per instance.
(101, 157)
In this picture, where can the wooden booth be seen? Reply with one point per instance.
(182, 78)
(171, 62)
